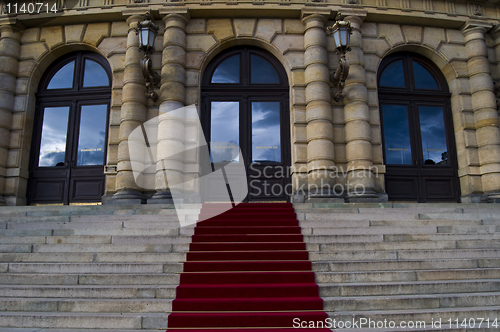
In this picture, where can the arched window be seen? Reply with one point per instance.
(419, 148)
(70, 131)
(245, 102)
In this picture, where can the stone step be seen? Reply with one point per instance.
(25, 232)
(422, 315)
(453, 254)
(89, 257)
(56, 257)
(332, 216)
(439, 237)
(136, 240)
(98, 224)
(394, 265)
(487, 244)
(462, 229)
(480, 214)
(334, 223)
(406, 275)
(118, 248)
(373, 230)
(121, 231)
(403, 302)
(88, 292)
(13, 329)
(15, 248)
(131, 219)
(330, 247)
(22, 239)
(89, 279)
(69, 320)
(424, 254)
(409, 287)
(77, 239)
(64, 225)
(344, 238)
(432, 222)
(87, 268)
(86, 305)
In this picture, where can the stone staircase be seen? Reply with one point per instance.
(102, 268)
(115, 268)
(406, 263)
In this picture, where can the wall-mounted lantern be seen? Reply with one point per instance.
(341, 32)
(147, 32)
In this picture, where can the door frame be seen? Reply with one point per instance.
(418, 174)
(245, 92)
(74, 98)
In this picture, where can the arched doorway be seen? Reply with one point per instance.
(70, 131)
(245, 101)
(419, 146)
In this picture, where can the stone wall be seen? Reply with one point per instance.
(324, 133)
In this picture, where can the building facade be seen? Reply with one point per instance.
(417, 120)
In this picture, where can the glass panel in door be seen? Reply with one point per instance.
(54, 134)
(434, 145)
(224, 131)
(396, 134)
(92, 135)
(266, 132)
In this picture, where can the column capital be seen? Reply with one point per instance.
(174, 12)
(307, 14)
(133, 16)
(11, 24)
(175, 17)
(353, 14)
(475, 26)
(495, 33)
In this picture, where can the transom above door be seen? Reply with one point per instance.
(419, 146)
(245, 104)
(70, 131)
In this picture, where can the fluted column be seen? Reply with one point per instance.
(133, 114)
(171, 131)
(320, 148)
(486, 120)
(359, 151)
(10, 37)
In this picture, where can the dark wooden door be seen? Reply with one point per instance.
(245, 101)
(70, 132)
(418, 138)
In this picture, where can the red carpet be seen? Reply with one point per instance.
(247, 269)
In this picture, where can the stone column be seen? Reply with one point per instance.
(171, 133)
(359, 151)
(486, 119)
(10, 46)
(320, 148)
(133, 114)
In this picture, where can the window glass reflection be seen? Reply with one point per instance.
(396, 134)
(94, 75)
(92, 135)
(262, 71)
(63, 79)
(224, 131)
(393, 75)
(266, 132)
(54, 131)
(434, 145)
(423, 79)
(228, 71)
